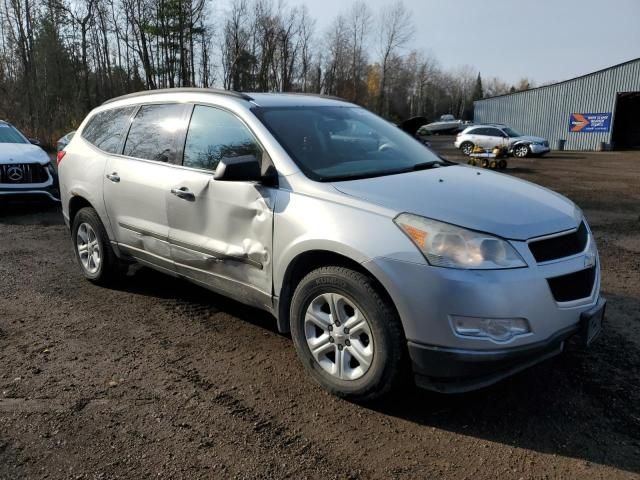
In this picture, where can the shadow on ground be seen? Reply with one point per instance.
(30, 212)
(584, 405)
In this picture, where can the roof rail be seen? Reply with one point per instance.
(216, 91)
(319, 95)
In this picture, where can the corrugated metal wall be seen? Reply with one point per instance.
(545, 111)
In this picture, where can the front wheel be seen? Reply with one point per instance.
(347, 334)
(521, 151)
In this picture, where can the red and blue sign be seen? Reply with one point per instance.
(590, 122)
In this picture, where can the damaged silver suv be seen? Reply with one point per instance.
(379, 257)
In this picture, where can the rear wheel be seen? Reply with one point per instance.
(466, 148)
(347, 335)
(92, 247)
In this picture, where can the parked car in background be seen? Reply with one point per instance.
(379, 257)
(64, 141)
(496, 135)
(446, 124)
(412, 126)
(25, 168)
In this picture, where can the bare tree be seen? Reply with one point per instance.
(396, 29)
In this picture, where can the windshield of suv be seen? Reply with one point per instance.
(8, 134)
(511, 132)
(344, 143)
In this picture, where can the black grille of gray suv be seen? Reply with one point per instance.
(23, 173)
(560, 247)
(573, 286)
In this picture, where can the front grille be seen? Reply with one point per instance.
(560, 247)
(18, 173)
(573, 286)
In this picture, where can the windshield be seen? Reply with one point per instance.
(8, 134)
(511, 132)
(344, 143)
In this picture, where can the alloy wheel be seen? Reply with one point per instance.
(521, 151)
(339, 336)
(88, 248)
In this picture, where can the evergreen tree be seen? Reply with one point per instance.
(478, 92)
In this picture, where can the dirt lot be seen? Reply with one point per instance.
(159, 378)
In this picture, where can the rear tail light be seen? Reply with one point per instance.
(60, 156)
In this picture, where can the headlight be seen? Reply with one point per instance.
(445, 245)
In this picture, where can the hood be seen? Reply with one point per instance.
(22, 153)
(471, 198)
(528, 138)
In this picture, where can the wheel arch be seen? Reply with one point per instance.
(76, 203)
(303, 264)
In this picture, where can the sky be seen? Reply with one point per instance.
(543, 40)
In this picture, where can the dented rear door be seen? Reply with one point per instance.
(221, 232)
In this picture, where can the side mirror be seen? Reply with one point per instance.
(34, 141)
(245, 168)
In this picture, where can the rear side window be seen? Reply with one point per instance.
(105, 129)
(153, 132)
(214, 135)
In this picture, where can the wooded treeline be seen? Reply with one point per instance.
(60, 58)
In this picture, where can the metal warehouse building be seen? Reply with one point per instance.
(600, 110)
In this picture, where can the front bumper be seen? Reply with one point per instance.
(428, 297)
(449, 370)
(539, 149)
(49, 189)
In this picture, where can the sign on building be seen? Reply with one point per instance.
(590, 122)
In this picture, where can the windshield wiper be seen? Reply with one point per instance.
(425, 165)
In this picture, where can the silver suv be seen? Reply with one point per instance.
(495, 135)
(380, 258)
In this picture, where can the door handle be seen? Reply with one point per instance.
(183, 193)
(113, 177)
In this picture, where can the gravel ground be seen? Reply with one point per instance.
(159, 378)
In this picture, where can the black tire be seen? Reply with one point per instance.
(484, 163)
(493, 164)
(388, 369)
(502, 164)
(466, 148)
(109, 267)
(521, 151)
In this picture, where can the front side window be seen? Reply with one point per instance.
(343, 143)
(8, 134)
(214, 135)
(153, 132)
(105, 129)
(511, 132)
(494, 132)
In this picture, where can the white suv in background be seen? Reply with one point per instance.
(25, 168)
(494, 135)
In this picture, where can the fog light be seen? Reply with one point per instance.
(500, 329)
